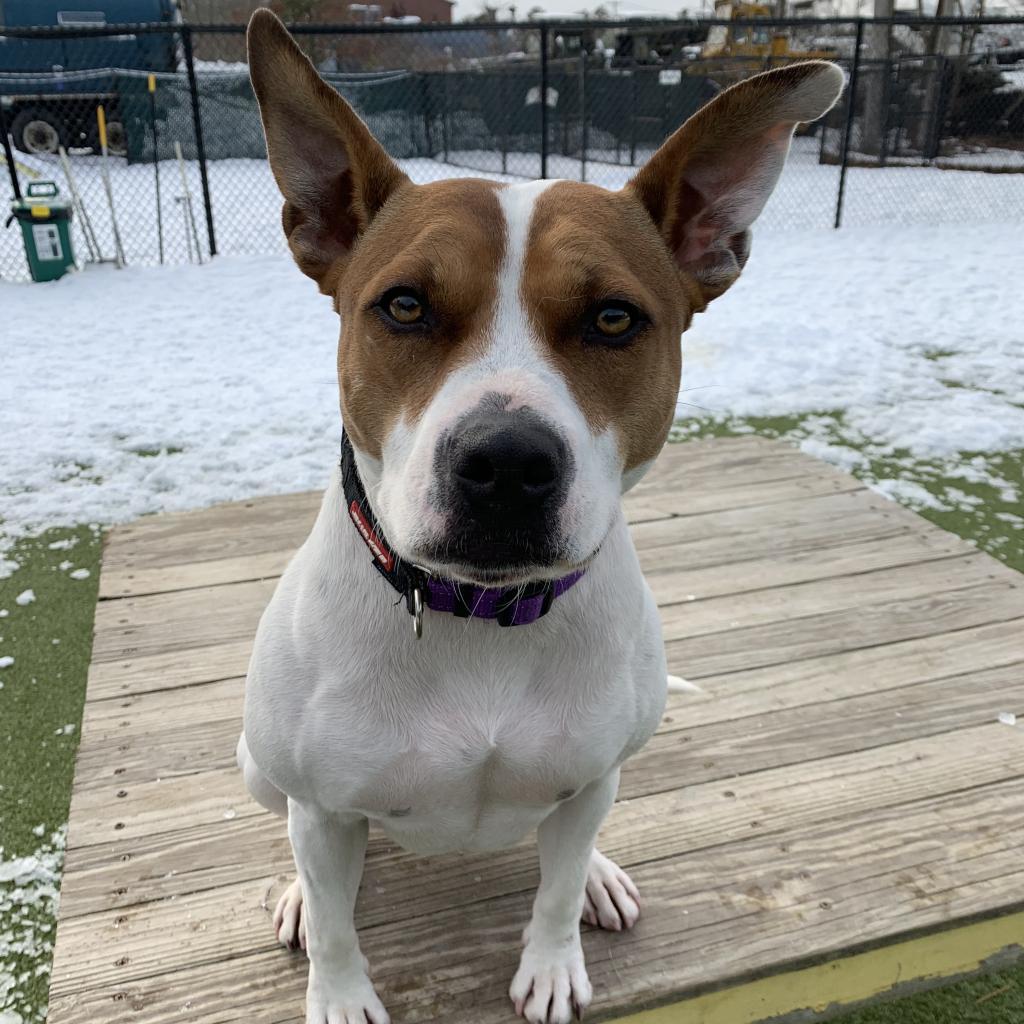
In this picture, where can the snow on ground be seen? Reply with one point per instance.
(28, 908)
(149, 389)
(246, 203)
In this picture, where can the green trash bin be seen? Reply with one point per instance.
(45, 223)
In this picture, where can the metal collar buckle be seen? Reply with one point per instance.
(417, 612)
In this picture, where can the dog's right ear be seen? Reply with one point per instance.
(334, 175)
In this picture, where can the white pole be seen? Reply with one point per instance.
(95, 255)
(188, 201)
(119, 260)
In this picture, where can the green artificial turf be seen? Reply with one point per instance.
(988, 999)
(976, 496)
(41, 701)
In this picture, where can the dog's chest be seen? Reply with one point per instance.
(473, 767)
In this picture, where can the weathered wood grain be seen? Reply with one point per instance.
(711, 916)
(661, 826)
(840, 781)
(680, 754)
(170, 732)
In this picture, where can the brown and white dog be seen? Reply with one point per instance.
(509, 364)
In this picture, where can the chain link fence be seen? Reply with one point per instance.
(930, 129)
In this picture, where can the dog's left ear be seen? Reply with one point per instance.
(710, 180)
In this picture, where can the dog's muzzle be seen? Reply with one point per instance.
(503, 477)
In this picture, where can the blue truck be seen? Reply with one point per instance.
(50, 86)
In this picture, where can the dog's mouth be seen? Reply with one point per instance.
(487, 559)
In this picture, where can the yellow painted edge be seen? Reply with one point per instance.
(39, 211)
(101, 121)
(848, 980)
(151, 83)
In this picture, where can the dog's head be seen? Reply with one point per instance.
(509, 357)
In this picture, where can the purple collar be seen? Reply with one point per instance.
(513, 606)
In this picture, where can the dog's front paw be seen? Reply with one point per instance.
(290, 918)
(551, 985)
(612, 900)
(347, 998)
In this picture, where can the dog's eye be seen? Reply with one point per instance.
(403, 309)
(613, 323)
(406, 308)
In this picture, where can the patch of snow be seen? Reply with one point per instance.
(908, 493)
(28, 906)
(845, 458)
(25, 597)
(6, 661)
(79, 574)
(1007, 718)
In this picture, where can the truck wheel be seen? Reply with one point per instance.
(38, 130)
(117, 138)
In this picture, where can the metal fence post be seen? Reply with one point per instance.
(584, 135)
(8, 155)
(850, 107)
(428, 113)
(543, 101)
(197, 122)
(446, 124)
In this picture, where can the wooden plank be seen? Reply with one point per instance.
(689, 502)
(179, 621)
(171, 733)
(136, 673)
(905, 568)
(117, 725)
(844, 631)
(775, 643)
(694, 754)
(185, 618)
(852, 511)
(663, 825)
(838, 509)
(151, 535)
(184, 556)
(732, 696)
(149, 808)
(787, 736)
(680, 752)
(133, 582)
(281, 522)
(759, 901)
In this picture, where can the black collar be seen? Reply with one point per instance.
(514, 606)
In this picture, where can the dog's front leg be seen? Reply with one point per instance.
(329, 851)
(552, 984)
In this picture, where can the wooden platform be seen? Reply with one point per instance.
(839, 813)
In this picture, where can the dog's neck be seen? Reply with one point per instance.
(419, 589)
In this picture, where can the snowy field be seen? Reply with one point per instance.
(130, 392)
(246, 203)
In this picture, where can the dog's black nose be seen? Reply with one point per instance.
(504, 466)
